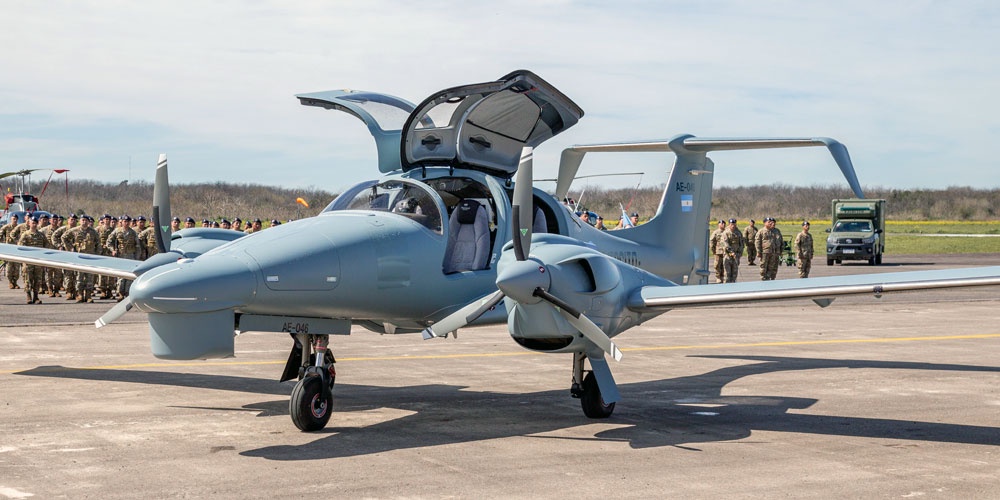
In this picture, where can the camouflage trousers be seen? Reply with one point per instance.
(751, 253)
(804, 266)
(769, 265)
(720, 269)
(34, 277)
(732, 268)
(13, 272)
(69, 282)
(84, 282)
(55, 279)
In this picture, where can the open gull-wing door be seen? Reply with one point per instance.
(485, 126)
(382, 113)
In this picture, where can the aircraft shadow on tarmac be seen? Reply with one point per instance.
(675, 412)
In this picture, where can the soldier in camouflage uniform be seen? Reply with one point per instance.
(60, 243)
(749, 236)
(44, 228)
(804, 250)
(54, 274)
(12, 238)
(769, 246)
(147, 243)
(732, 246)
(33, 275)
(715, 250)
(7, 236)
(85, 239)
(107, 225)
(123, 243)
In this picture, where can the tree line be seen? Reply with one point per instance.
(248, 201)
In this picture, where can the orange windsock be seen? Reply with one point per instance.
(302, 202)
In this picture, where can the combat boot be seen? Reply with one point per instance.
(71, 296)
(29, 299)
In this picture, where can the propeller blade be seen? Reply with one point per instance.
(582, 323)
(463, 316)
(116, 312)
(522, 208)
(593, 334)
(161, 205)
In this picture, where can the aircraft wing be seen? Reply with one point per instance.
(820, 290)
(96, 264)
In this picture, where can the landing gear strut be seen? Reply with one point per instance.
(312, 399)
(585, 389)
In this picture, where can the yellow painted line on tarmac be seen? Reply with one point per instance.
(532, 353)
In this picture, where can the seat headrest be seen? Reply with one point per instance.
(467, 210)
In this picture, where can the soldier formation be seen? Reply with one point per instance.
(122, 237)
(727, 244)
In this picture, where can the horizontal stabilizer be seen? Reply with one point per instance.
(572, 156)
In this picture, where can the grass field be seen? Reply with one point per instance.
(916, 237)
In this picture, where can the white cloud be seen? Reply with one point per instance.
(908, 86)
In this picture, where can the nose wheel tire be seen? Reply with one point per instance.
(591, 400)
(310, 406)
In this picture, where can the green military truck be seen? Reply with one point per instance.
(858, 231)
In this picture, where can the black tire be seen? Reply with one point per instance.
(591, 400)
(310, 406)
(829, 262)
(871, 261)
(878, 260)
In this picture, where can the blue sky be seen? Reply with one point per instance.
(908, 87)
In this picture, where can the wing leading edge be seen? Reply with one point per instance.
(96, 264)
(821, 290)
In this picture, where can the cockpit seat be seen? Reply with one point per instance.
(468, 238)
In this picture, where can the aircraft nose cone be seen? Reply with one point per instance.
(519, 279)
(207, 283)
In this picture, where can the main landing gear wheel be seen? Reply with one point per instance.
(591, 400)
(310, 405)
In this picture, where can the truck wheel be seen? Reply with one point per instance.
(871, 261)
(829, 262)
(878, 260)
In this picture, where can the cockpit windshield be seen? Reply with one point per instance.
(400, 197)
(853, 226)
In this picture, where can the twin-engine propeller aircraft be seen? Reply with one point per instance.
(446, 240)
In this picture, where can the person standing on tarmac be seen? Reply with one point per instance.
(769, 244)
(715, 249)
(732, 246)
(7, 236)
(804, 250)
(749, 235)
(33, 275)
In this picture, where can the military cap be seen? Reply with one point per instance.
(225, 221)
(275, 222)
(721, 221)
(805, 223)
(205, 221)
(635, 214)
(256, 221)
(237, 220)
(769, 219)
(35, 217)
(189, 219)
(752, 221)
(141, 217)
(56, 216)
(732, 221)
(176, 219)
(43, 216)
(91, 219)
(14, 216)
(107, 216)
(125, 217)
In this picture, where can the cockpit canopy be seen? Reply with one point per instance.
(483, 126)
(409, 199)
